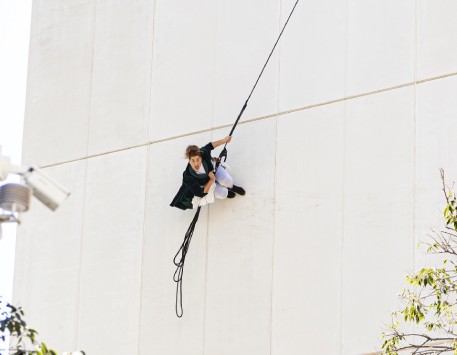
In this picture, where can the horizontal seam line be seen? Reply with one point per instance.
(352, 97)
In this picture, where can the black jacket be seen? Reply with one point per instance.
(192, 183)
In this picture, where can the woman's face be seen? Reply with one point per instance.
(195, 162)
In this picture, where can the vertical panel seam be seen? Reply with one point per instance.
(146, 189)
(414, 131)
(343, 182)
(274, 210)
(86, 164)
(151, 73)
(81, 252)
(343, 206)
(206, 281)
(209, 209)
(143, 240)
(91, 80)
(273, 246)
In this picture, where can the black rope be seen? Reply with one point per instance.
(177, 277)
(224, 150)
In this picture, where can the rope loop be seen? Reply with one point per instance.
(179, 262)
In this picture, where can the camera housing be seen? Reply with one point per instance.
(45, 189)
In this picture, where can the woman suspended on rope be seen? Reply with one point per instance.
(200, 183)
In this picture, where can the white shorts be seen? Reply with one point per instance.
(217, 190)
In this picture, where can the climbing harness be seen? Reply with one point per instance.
(179, 262)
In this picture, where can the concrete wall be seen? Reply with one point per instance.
(339, 151)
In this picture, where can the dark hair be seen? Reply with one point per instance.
(192, 151)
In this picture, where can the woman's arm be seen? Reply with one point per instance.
(222, 141)
(209, 183)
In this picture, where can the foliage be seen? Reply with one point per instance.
(429, 304)
(25, 340)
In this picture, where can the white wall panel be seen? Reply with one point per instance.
(380, 44)
(308, 232)
(183, 67)
(59, 80)
(313, 53)
(378, 241)
(121, 75)
(161, 332)
(436, 116)
(436, 38)
(311, 260)
(240, 237)
(47, 271)
(244, 41)
(111, 256)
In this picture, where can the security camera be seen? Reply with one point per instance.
(45, 189)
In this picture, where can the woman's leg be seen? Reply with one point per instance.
(220, 192)
(223, 178)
